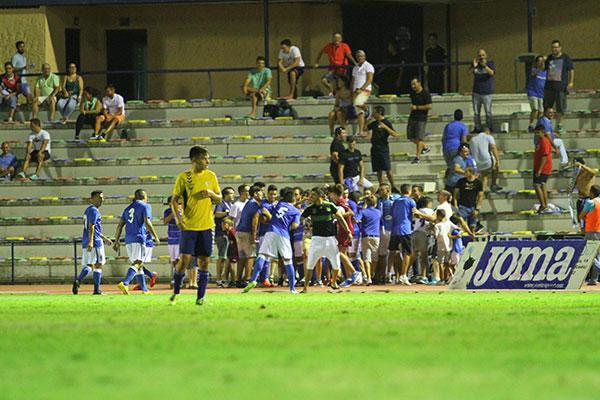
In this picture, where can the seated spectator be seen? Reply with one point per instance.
(90, 108)
(352, 167)
(8, 162)
(38, 149)
(362, 77)
(343, 110)
(457, 172)
(339, 53)
(71, 93)
(258, 84)
(290, 61)
(46, 89)
(484, 150)
(113, 113)
(19, 63)
(11, 87)
(455, 133)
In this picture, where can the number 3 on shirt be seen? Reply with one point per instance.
(130, 219)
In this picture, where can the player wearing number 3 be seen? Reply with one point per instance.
(135, 216)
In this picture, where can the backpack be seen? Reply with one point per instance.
(281, 109)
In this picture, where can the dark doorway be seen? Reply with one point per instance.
(127, 51)
(72, 48)
(399, 24)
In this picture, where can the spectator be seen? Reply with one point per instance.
(343, 110)
(232, 251)
(455, 133)
(556, 143)
(402, 229)
(442, 230)
(535, 91)
(370, 219)
(561, 74)
(339, 53)
(352, 167)
(38, 149)
(390, 78)
(420, 236)
(461, 161)
(222, 211)
(245, 236)
(290, 61)
(336, 149)
(416, 192)
(258, 84)
(591, 215)
(90, 108)
(468, 196)
(344, 237)
(457, 247)
(19, 63)
(484, 150)
(46, 89)
(483, 88)
(71, 92)
(384, 204)
(542, 167)
(417, 122)
(435, 74)
(586, 178)
(113, 113)
(236, 209)
(10, 90)
(362, 77)
(261, 220)
(381, 129)
(8, 162)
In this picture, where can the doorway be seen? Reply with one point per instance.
(127, 51)
(73, 48)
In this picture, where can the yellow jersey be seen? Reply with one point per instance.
(197, 210)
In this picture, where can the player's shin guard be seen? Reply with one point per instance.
(131, 272)
(202, 283)
(178, 279)
(258, 266)
(97, 279)
(291, 274)
(84, 272)
(141, 278)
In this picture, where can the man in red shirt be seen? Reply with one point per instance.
(542, 167)
(338, 53)
(344, 238)
(10, 88)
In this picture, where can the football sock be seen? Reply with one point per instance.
(202, 283)
(97, 279)
(258, 266)
(141, 278)
(291, 274)
(84, 272)
(131, 272)
(178, 278)
(300, 269)
(148, 272)
(264, 274)
(356, 265)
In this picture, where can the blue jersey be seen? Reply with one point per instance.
(284, 214)
(354, 208)
(221, 207)
(536, 85)
(458, 244)
(385, 206)
(547, 123)
(262, 226)
(172, 231)
(135, 216)
(298, 233)
(92, 216)
(370, 219)
(250, 208)
(402, 216)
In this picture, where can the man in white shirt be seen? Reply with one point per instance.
(38, 149)
(362, 77)
(19, 63)
(236, 208)
(484, 151)
(290, 61)
(113, 113)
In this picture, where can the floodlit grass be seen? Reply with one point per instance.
(261, 345)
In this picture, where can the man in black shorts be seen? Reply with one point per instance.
(421, 104)
(352, 168)
(559, 81)
(335, 150)
(381, 129)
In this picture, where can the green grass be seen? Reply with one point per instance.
(261, 345)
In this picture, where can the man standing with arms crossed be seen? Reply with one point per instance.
(200, 189)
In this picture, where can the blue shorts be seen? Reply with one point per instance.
(196, 243)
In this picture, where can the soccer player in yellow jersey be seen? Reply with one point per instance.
(198, 188)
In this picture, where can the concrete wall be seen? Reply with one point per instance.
(501, 28)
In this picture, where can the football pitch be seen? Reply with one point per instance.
(320, 345)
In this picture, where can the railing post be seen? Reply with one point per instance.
(210, 85)
(266, 20)
(12, 257)
(278, 84)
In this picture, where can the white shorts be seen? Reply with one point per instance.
(354, 186)
(360, 100)
(298, 248)
(355, 246)
(536, 103)
(384, 243)
(245, 248)
(148, 255)
(454, 258)
(136, 251)
(94, 257)
(327, 247)
(174, 252)
(274, 245)
(443, 256)
(43, 99)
